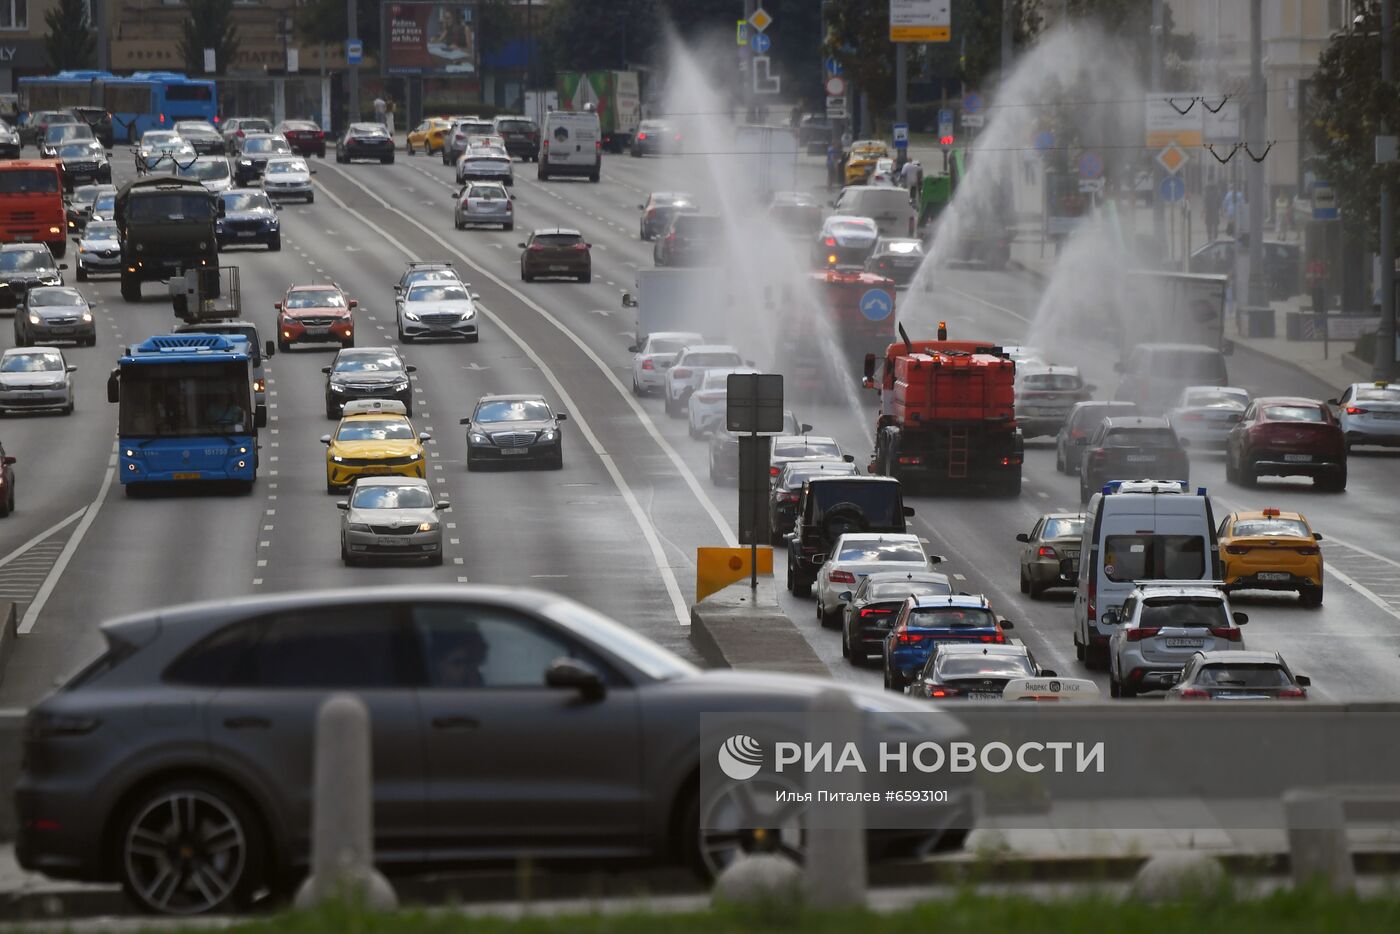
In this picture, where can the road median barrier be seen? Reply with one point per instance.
(740, 626)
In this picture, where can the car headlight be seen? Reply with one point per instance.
(246, 163)
(469, 314)
(87, 317)
(335, 388)
(34, 317)
(414, 457)
(356, 527)
(401, 386)
(547, 434)
(337, 458)
(410, 315)
(427, 526)
(477, 437)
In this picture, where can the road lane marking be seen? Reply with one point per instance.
(56, 527)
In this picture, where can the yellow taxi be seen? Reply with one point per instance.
(864, 154)
(1270, 549)
(429, 135)
(374, 439)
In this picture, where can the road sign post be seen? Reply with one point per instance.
(754, 403)
(901, 136)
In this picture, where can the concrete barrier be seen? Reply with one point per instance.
(743, 628)
(9, 633)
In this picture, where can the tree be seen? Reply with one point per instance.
(210, 26)
(71, 42)
(1344, 112)
(1131, 20)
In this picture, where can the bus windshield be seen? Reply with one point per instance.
(28, 182)
(182, 400)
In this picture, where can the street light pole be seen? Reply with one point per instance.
(1254, 180)
(352, 72)
(1158, 173)
(1383, 366)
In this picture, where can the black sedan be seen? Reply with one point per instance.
(656, 138)
(256, 149)
(206, 140)
(365, 141)
(871, 610)
(84, 162)
(367, 373)
(516, 428)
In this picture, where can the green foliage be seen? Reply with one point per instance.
(210, 26)
(71, 41)
(1346, 107)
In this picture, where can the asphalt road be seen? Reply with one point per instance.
(617, 528)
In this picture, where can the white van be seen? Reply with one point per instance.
(1137, 530)
(888, 205)
(571, 143)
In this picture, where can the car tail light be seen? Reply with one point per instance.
(641, 136)
(940, 690)
(997, 638)
(830, 241)
(874, 611)
(581, 247)
(1046, 552)
(1237, 549)
(216, 119)
(906, 637)
(772, 471)
(1308, 550)
(787, 497)
(1100, 454)
(510, 208)
(1143, 632)
(162, 118)
(597, 145)
(1195, 694)
(1356, 410)
(842, 577)
(678, 137)
(545, 145)
(1077, 432)
(648, 365)
(1228, 633)
(1293, 692)
(537, 248)
(681, 373)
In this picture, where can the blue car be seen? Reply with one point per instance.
(930, 620)
(249, 218)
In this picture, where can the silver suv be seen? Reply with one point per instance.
(1161, 626)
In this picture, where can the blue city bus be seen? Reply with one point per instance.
(61, 91)
(186, 411)
(154, 100)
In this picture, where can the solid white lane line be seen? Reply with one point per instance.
(623, 391)
(644, 522)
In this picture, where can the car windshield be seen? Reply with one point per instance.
(315, 298)
(159, 139)
(1063, 528)
(374, 429)
(880, 551)
(716, 358)
(1294, 413)
(26, 261)
(368, 363)
(487, 193)
(28, 181)
(300, 126)
(967, 665)
(952, 617)
(1377, 394)
(666, 346)
(512, 410)
(854, 228)
(197, 128)
(286, 167)
(1236, 675)
(31, 362)
(368, 129)
(206, 171)
(1157, 557)
(246, 201)
(391, 497)
(78, 150)
(1193, 612)
(1215, 397)
(1140, 438)
(104, 204)
(805, 447)
(438, 293)
(1058, 382)
(266, 144)
(170, 206)
(1270, 528)
(47, 298)
(100, 232)
(898, 591)
(85, 195)
(900, 246)
(68, 131)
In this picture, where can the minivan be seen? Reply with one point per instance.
(888, 205)
(571, 143)
(1136, 530)
(1155, 374)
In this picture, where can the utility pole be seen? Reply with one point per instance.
(746, 65)
(1158, 173)
(1383, 367)
(901, 82)
(1006, 14)
(104, 50)
(1254, 180)
(352, 72)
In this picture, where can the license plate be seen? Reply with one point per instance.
(247, 233)
(1386, 416)
(984, 695)
(1297, 458)
(376, 470)
(194, 475)
(1273, 576)
(317, 331)
(558, 268)
(507, 452)
(391, 541)
(1177, 642)
(1140, 458)
(61, 329)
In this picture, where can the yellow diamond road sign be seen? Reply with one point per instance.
(760, 19)
(1172, 158)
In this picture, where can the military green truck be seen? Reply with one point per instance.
(166, 226)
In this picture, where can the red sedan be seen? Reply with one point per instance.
(315, 314)
(304, 136)
(1287, 436)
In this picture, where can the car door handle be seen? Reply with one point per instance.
(247, 723)
(455, 723)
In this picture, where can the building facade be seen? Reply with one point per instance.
(22, 31)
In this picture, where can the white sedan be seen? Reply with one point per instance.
(210, 171)
(654, 357)
(486, 164)
(1204, 415)
(858, 555)
(1369, 413)
(685, 375)
(289, 177)
(709, 402)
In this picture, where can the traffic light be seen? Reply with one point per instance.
(945, 140)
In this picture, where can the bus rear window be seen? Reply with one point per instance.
(28, 181)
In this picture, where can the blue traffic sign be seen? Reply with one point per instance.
(761, 43)
(833, 67)
(1173, 188)
(354, 51)
(876, 305)
(972, 103)
(1044, 140)
(1090, 165)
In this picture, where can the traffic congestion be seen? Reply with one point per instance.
(281, 371)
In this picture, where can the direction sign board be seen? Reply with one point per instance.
(972, 103)
(761, 43)
(833, 66)
(1090, 166)
(836, 107)
(967, 119)
(921, 20)
(761, 19)
(901, 136)
(1173, 188)
(835, 86)
(354, 51)
(876, 305)
(741, 33)
(1166, 124)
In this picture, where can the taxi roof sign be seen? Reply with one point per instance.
(1051, 689)
(374, 407)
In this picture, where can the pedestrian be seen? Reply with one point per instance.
(1212, 209)
(1231, 207)
(1028, 166)
(909, 178)
(380, 111)
(389, 116)
(846, 140)
(833, 164)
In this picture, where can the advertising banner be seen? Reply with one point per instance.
(431, 39)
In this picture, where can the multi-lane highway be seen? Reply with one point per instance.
(617, 528)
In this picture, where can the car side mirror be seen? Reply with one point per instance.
(908, 511)
(77, 239)
(1049, 673)
(804, 428)
(325, 439)
(848, 458)
(561, 417)
(62, 265)
(1109, 618)
(1317, 536)
(269, 349)
(260, 415)
(641, 207)
(936, 559)
(464, 421)
(424, 436)
(575, 674)
(521, 244)
(1174, 677)
(71, 368)
(343, 504)
(441, 505)
(1303, 681)
(1023, 537)
(1240, 618)
(1007, 624)
(844, 596)
(276, 306)
(313, 171)
(354, 303)
(819, 558)
(1333, 402)
(9, 459)
(634, 349)
(277, 207)
(325, 369)
(410, 369)
(113, 392)
(629, 301)
(1090, 387)
(476, 296)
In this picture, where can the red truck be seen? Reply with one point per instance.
(856, 317)
(31, 204)
(947, 417)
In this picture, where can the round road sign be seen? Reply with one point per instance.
(972, 103)
(876, 305)
(835, 86)
(1173, 188)
(1090, 165)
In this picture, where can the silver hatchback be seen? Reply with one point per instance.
(484, 203)
(1161, 626)
(391, 517)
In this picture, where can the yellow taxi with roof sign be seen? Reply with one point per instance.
(861, 161)
(374, 439)
(1270, 549)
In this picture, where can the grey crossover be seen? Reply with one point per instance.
(390, 517)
